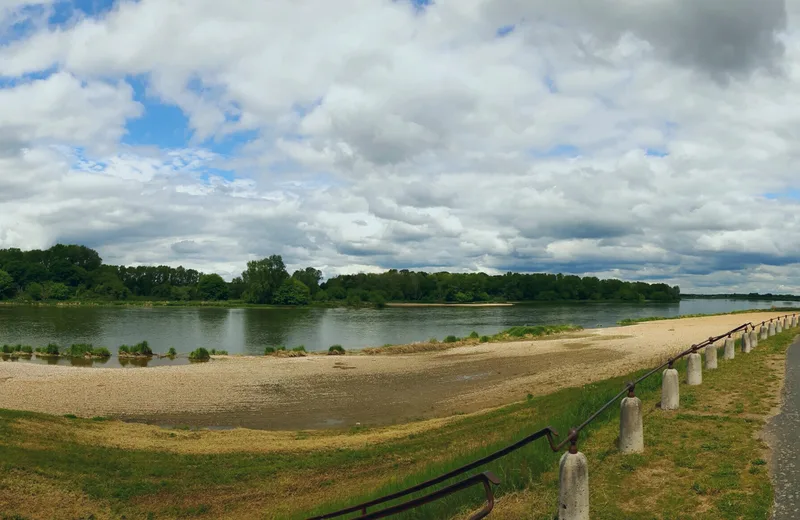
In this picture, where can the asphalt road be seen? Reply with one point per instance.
(785, 430)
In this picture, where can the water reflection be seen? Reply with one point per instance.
(112, 362)
(274, 327)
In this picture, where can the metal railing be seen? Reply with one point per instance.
(487, 478)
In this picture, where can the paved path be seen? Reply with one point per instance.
(785, 429)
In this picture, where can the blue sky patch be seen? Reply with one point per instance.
(505, 30)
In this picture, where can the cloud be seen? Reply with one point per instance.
(366, 135)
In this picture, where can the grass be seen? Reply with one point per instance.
(634, 321)
(336, 350)
(200, 354)
(702, 461)
(140, 349)
(215, 352)
(520, 333)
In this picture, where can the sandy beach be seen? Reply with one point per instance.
(340, 391)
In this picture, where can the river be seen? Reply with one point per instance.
(249, 330)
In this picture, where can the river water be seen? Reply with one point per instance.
(249, 330)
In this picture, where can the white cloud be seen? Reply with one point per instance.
(389, 137)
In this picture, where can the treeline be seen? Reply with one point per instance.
(742, 296)
(77, 272)
(410, 286)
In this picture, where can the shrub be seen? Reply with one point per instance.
(8, 349)
(200, 354)
(78, 350)
(172, 352)
(269, 350)
(474, 335)
(299, 348)
(335, 350)
(141, 349)
(484, 339)
(123, 349)
(451, 339)
(280, 349)
(433, 340)
(101, 352)
(215, 352)
(51, 349)
(27, 349)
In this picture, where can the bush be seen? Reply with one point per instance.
(200, 354)
(335, 350)
(51, 349)
(299, 348)
(451, 339)
(280, 349)
(123, 349)
(484, 339)
(433, 340)
(78, 350)
(8, 349)
(215, 352)
(474, 335)
(269, 350)
(141, 349)
(27, 349)
(101, 352)
(172, 352)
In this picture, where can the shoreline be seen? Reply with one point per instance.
(323, 392)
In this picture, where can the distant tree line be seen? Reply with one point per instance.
(77, 272)
(743, 296)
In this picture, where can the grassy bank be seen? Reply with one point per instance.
(701, 462)
(634, 321)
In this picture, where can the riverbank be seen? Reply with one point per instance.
(314, 392)
(702, 462)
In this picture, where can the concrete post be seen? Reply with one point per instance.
(746, 343)
(670, 391)
(786, 323)
(573, 486)
(631, 431)
(778, 326)
(730, 348)
(762, 332)
(753, 338)
(771, 329)
(694, 369)
(794, 321)
(711, 357)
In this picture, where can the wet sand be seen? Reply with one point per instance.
(340, 391)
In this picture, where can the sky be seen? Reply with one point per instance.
(652, 140)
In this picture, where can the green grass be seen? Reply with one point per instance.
(713, 456)
(526, 331)
(200, 354)
(634, 321)
(336, 350)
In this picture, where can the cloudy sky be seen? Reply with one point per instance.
(641, 139)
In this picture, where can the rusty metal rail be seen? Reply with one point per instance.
(487, 478)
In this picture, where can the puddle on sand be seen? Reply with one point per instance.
(112, 362)
(470, 377)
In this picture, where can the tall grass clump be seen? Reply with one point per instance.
(299, 348)
(215, 352)
(535, 331)
(336, 350)
(200, 354)
(269, 350)
(172, 352)
(451, 339)
(474, 335)
(52, 349)
(101, 352)
(78, 350)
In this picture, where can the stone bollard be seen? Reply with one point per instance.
(694, 369)
(573, 486)
(793, 322)
(753, 338)
(778, 326)
(730, 348)
(786, 323)
(711, 357)
(670, 391)
(631, 431)
(763, 332)
(771, 329)
(746, 345)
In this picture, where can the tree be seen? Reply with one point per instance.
(262, 278)
(310, 277)
(35, 290)
(55, 291)
(6, 285)
(212, 287)
(292, 292)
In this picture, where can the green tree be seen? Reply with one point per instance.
(6, 285)
(262, 278)
(310, 277)
(35, 290)
(292, 292)
(55, 291)
(212, 287)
